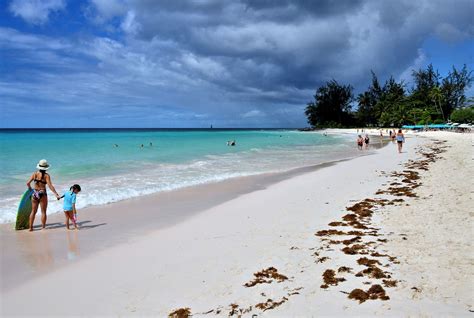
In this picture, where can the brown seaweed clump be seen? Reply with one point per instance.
(373, 272)
(270, 304)
(329, 277)
(354, 249)
(344, 269)
(352, 240)
(266, 276)
(389, 283)
(348, 241)
(359, 294)
(180, 313)
(377, 254)
(367, 262)
(337, 224)
(351, 217)
(322, 259)
(381, 202)
(235, 310)
(377, 292)
(330, 232)
(360, 233)
(399, 191)
(374, 292)
(362, 209)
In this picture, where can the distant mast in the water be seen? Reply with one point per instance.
(211, 126)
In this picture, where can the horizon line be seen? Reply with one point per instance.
(140, 128)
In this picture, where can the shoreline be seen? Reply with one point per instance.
(117, 219)
(151, 178)
(204, 262)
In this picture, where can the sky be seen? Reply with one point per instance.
(196, 63)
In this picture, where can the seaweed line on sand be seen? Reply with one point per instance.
(403, 184)
(359, 219)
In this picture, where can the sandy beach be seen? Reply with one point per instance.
(392, 231)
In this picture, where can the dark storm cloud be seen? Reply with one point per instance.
(300, 44)
(316, 7)
(251, 41)
(229, 61)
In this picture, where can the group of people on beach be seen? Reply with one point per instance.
(39, 196)
(361, 141)
(399, 137)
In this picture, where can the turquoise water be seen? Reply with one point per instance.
(174, 159)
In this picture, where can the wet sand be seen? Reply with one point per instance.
(25, 256)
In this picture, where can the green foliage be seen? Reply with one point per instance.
(463, 115)
(393, 104)
(331, 107)
(432, 99)
(425, 81)
(453, 88)
(368, 112)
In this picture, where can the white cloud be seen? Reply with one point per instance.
(418, 63)
(130, 24)
(448, 33)
(12, 38)
(207, 67)
(35, 11)
(252, 113)
(109, 8)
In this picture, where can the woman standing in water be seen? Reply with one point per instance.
(39, 196)
(360, 142)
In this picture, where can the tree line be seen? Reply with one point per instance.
(432, 99)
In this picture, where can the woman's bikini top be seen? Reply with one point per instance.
(40, 180)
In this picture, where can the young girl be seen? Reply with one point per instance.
(69, 205)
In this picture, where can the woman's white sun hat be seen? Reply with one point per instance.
(43, 165)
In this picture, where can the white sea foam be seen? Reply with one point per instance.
(150, 178)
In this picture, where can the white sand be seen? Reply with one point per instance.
(437, 257)
(203, 262)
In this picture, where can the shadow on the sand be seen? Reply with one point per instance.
(49, 226)
(91, 226)
(59, 225)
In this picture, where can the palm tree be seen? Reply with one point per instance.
(436, 96)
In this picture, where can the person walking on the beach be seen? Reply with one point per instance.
(360, 142)
(400, 140)
(69, 205)
(366, 140)
(39, 196)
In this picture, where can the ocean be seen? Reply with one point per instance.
(117, 164)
